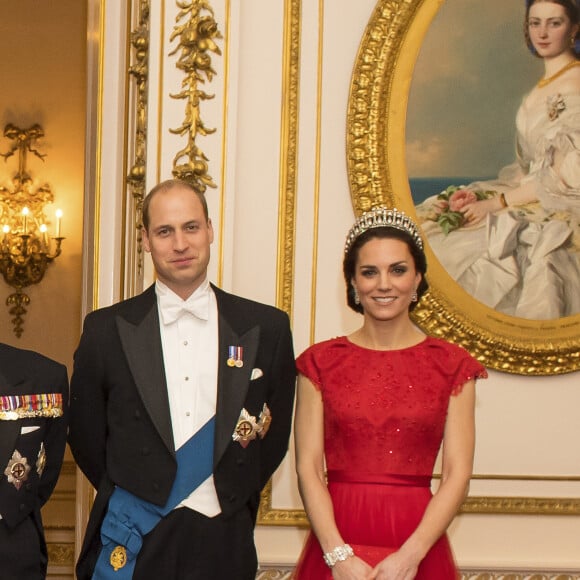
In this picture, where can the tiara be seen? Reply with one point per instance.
(380, 217)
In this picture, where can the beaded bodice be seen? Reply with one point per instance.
(385, 411)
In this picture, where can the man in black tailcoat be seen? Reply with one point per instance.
(181, 361)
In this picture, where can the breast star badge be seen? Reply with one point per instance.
(246, 429)
(17, 470)
(264, 422)
(41, 460)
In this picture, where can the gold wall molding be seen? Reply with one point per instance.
(516, 574)
(61, 554)
(552, 506)
(377, 174)
(138, 71)
(288, 156)
(285, 572)
(274, 574)
(63, 495)
(197, 31)
(542, 506)
(546, 506)
(267, 515)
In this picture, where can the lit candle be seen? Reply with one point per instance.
(58, 220)
(43, 229)
(25, 214)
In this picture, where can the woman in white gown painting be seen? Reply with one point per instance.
(514, 243)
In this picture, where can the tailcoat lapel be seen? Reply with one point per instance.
(233, 382)
(141, 340)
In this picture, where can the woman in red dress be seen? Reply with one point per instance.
(373, 409)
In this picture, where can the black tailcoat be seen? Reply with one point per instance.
(120, 430)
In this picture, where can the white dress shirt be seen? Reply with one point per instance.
(190, 356)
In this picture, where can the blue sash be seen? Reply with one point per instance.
(129, 518)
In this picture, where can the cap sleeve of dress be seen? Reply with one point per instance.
(455, 363)
(307, 365)
(467, 369)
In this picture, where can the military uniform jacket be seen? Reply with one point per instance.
(120, 430)
(33, 424)
(34, 438)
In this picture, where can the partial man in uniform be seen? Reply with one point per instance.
(33, 427)
(181, 406)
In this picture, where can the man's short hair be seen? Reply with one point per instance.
(167, 185)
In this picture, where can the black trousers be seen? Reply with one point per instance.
(22, 551)
(186, 545)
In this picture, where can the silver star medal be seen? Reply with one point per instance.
(17, 470)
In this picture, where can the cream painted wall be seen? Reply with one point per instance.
(526, 426)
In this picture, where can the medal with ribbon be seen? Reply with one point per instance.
(14, 407)
(235, 356)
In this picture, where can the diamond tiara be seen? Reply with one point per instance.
(380, 217)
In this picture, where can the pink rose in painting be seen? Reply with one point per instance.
(460, 198)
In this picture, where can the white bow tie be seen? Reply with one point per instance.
(172, 307)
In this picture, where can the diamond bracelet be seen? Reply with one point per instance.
(338, 554)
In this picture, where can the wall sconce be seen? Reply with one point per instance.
(25, 247)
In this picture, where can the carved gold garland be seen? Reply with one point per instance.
(377, 175)
(197, 31)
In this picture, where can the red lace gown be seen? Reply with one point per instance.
(384, 416)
